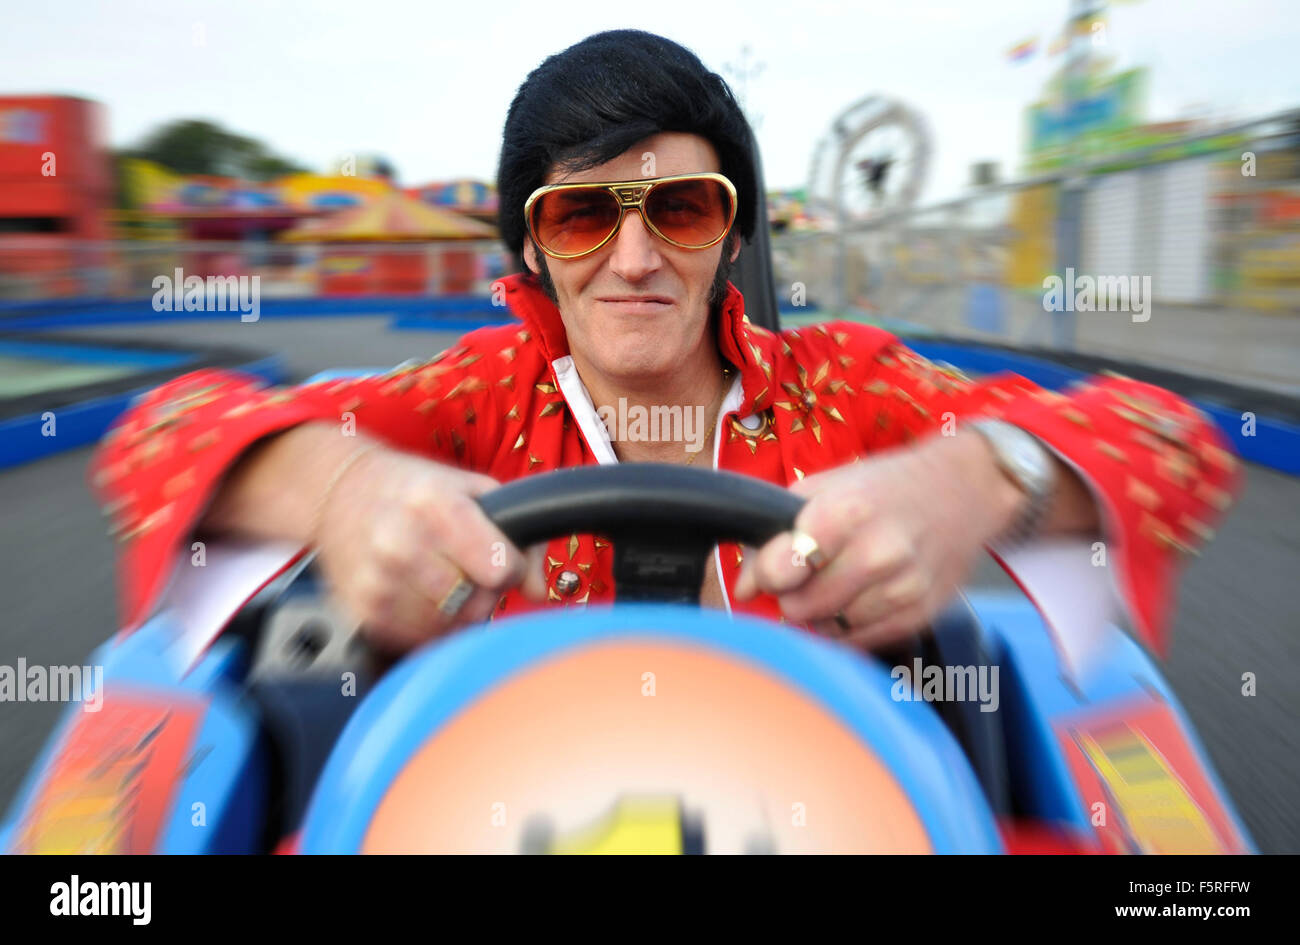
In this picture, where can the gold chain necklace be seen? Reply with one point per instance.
(708, 437)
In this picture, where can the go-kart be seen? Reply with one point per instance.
(257, 720)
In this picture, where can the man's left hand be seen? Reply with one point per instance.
(896, 534)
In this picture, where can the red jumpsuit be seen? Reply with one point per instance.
(506, 401)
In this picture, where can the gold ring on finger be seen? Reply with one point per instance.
(455, 598)
(806, 548)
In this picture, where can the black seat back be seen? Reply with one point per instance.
(752, 274)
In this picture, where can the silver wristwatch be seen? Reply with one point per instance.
(1028, 464)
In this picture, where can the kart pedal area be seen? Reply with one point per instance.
(310, 671)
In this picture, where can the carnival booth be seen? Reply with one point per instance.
(55, 190)
(379, 247)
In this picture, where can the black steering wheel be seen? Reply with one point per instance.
(663, 519)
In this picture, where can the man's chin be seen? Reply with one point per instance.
(640, 365)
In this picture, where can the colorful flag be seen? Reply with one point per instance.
(1023, 50)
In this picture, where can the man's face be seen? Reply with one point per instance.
(638, 308)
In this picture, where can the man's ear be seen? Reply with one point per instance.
(530, 256)
(735, 249)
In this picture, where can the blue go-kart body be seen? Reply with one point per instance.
(182, 762)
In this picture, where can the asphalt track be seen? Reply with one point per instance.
(1238, 610)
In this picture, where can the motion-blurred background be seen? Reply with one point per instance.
(928, 166)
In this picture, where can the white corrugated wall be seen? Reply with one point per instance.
(1152, 222)
(1110, 226)
(1182, 264)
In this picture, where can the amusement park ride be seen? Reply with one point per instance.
(874, 160)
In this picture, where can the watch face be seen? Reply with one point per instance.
(1028, 460)
(1020, 455)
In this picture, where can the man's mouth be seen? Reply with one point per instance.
(638, 304)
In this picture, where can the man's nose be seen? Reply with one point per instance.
(635, 254)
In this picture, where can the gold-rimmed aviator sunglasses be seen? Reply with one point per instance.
(689, 211)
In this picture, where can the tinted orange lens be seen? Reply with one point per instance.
(574, 221)
(689, 212)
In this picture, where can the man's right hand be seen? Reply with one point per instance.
(395, 533)
(396, 536)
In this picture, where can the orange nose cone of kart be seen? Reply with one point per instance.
(615, 747)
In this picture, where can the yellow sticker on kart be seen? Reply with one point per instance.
(1157, 810)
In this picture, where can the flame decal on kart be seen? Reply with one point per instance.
(112, 782)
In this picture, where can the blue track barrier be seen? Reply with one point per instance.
(1275, 443)
(23, 438)
(474, 310)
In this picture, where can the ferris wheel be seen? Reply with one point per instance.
(874, 160)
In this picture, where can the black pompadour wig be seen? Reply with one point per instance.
(590, 103)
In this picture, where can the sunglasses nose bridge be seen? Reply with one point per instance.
(631, 199)
(631, 195)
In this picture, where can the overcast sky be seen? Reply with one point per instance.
(427, 84)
